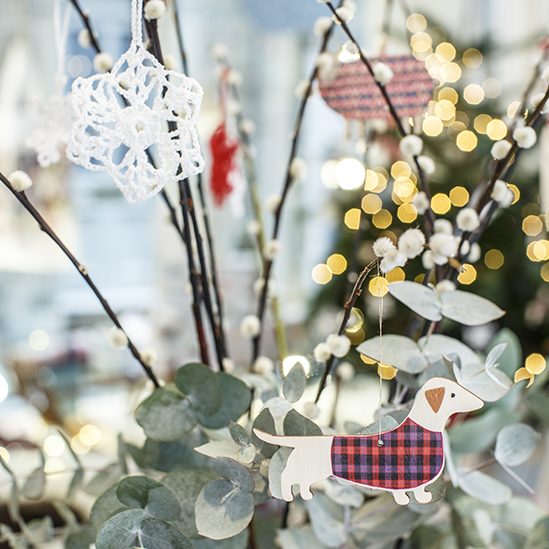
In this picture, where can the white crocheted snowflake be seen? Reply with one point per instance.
(137, 114)
(53, 117)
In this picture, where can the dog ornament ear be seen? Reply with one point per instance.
(435, 397)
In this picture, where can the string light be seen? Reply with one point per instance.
(468, 275)
(371, 203)
(378, 286)
(466, 141)
(337, 264)
(352, 219)
(382, 219)
(496, 129)
(494, 259)
(321, 274)
(472, 58)
(532, 225)
(350, 174)
(440, 203)
(473, 94)
(459, 196)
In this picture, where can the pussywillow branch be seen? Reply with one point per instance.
(47, 229)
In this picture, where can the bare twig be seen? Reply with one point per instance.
(94, 41)
(46, 228)
(429, 215)
(221, 334)
(288, 180)
(347, 309)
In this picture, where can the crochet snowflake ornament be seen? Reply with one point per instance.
(138, 122)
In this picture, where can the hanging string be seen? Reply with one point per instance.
(380, 362)
(61, 29)
(137, 24)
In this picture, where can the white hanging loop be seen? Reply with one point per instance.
(380, 319)
(137, 23)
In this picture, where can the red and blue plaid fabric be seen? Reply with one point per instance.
(410, 456)
(354, 93)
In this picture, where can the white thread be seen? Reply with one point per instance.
(380, 318)
(137, 110)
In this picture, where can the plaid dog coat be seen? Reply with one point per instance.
(410, 456)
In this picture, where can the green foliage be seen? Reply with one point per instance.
(294, 383)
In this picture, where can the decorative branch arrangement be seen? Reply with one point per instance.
(219, 442)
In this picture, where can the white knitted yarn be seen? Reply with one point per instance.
(138, 110)
(53, 114)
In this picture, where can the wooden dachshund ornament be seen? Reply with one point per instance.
(409, 457)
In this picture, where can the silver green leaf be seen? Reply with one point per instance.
(515, 444)
(421, 299)
(398, 351)
(484, 488)
(469, 309)
(201, 386)
(294, 383)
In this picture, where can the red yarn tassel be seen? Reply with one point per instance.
(223, 163)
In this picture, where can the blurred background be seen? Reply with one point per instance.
(57, 365)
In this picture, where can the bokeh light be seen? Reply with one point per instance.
(382, 219)
(459, 196)
(466, 141)
(440, 203)
(321, 274)
(352, 219)
(350, 174)
(473, 94)
(496, 129)
(532, 225)
(378, 286)
(468, 274)
(337, 264)
(535, 363)
(371, 203)
(494, 259)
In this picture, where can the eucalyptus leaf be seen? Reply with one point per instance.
(202, 387)
(294, 383)
(469, 309)
(343, 494)
(81, 539)
(264, 422)
(239, 434)
(134, 527)
(299, 538)
(235, 401)
(223, 510)
(511, 359)
(239, 475)
(479, 433)
(34, 486)
(76, 482)
(104, 479)
(538, 538)
(105, 506)
(437, 346)
(167, 456)
(276, 466)
(165, 415)
(240, 541)
(140, 492)
(219, 448)
(484, 487)
(515, 444)
(398, 351)
(326, 526)
(489, 384)
(387, 423)
(185, 484)
(494, 354)
(421, 299)
(297, 425)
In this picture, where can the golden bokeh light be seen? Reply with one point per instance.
(337, 264)
(432, 126)
(446, 51)
(404, 188)
(538, 250)
(532, 225)
(396, 275)
(496, 129)
(440, 203)
(407, 213)
(544, 272)
(494, 259)
(472, 58)
(516, 192)
(466, 141)
(421, 42)
(481, 123)
(468, 275)
(378, 286)
(352, 219)
(473, 94)
(451, 72)
(367, 360)
(328, 174)
(513, 108)
(321, 274)
(371, 203)
(459, 196)
(448, 94)
(370, 181)
(400, 168)
(416, 22)
(535, 363)
(382, 219)
(445, 109)
(350, 174)
(386, 371)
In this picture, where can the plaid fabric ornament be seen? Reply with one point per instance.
(409, 457)
(353, 92)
